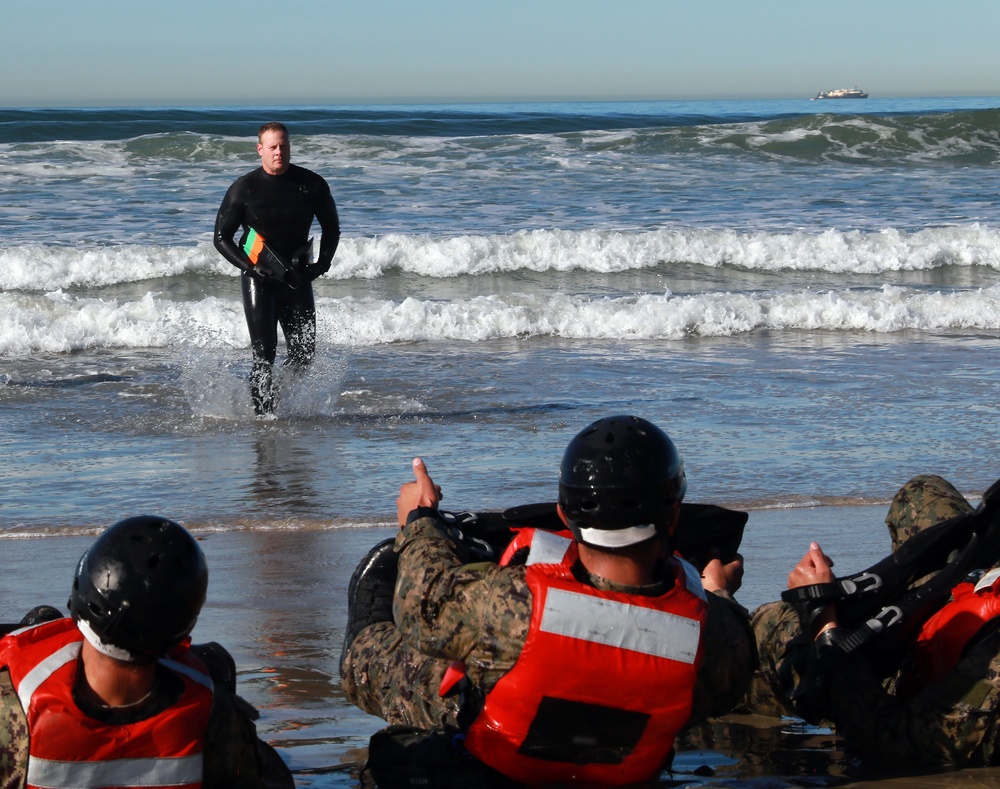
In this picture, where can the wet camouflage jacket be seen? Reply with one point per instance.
(480, 613)
(950, 723)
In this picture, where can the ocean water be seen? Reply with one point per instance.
(804, 294)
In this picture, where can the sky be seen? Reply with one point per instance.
(69, 53)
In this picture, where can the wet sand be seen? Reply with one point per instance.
(277, 601)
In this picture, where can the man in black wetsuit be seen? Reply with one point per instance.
(278, 201)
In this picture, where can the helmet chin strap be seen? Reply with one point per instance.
(617, 538)
(105, 649)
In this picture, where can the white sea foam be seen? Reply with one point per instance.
(59, 322)
(49, 268)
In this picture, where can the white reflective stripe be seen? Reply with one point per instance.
(181, 668)
(120, 772)
(621, 625)
(988, 580)
(29, 684)
(547, 548)
(692, 578)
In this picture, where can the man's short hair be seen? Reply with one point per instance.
(271, 126)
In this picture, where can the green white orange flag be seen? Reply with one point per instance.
(254, 245)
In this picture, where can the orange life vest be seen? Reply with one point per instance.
(944, 636)
(604, 681)
(69, 749)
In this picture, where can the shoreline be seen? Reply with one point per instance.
(277, 601)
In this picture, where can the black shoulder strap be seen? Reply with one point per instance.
(701, 528)
(881, 608)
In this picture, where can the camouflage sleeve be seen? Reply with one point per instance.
(234, 755)
(730, 658)
(13, 737)
(478, 613)
(950, 723)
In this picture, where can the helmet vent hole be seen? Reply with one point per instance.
(153, 562)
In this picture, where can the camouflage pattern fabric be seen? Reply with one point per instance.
(13, 737)
(923, 501)
(234, 756)
(774, 625)
(949, 724)
(952, 723)
(480, 613)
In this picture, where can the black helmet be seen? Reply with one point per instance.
(139, 588)
(621, 482)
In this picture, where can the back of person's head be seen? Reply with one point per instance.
(139, 588)
(621, 483)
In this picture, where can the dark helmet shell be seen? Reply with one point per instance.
(140, 587)
(621, 482)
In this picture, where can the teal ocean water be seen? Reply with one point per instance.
(804, 294)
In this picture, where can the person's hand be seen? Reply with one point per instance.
(422, 492)
(316, 270)
(716, 576)
(815, 567)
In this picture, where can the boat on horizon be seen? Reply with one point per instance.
(841, 93)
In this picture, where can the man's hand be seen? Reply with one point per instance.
(716, 576)
(422, 492)
(815, 567)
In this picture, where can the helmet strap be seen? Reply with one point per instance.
(105, 649)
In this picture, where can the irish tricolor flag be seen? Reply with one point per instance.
(254, 245)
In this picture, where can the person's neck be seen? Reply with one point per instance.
(631, 568)
(113, 683)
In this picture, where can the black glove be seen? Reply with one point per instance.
(316, 270)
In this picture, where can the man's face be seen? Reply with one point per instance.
(275, 152)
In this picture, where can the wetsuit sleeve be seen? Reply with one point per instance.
(950, 723)
(13, 736)
(329, 221)
(729, 659)
(228, 222)
(478, 613)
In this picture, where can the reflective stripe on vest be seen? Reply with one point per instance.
(27, 686)
(47, 774)
(646, 630)
(548, 548)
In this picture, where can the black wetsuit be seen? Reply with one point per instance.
(281, 208)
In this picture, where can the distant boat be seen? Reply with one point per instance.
(841, 93)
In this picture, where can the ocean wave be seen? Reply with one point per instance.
(957, 138)
(833, 251)
(62, 323)
(793, 130)
(50, 268)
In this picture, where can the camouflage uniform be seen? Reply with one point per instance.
(949, 723)
(480, 613)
